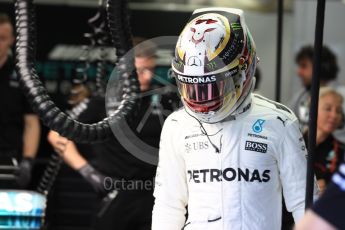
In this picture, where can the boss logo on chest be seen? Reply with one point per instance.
(256, 146)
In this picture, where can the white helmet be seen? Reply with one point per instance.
(214, 64)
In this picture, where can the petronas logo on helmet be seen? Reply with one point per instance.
(196, 80)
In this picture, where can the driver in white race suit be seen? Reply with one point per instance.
(229, 154)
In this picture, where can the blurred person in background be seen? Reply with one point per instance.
(327, 212)
(329, 150)
(328, 77)
(330, 146)
(79, 93)
(131, 209)
(20, 127)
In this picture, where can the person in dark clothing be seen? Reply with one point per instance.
(327, 213)
(20, 127)
(113, 167)
(327, 159)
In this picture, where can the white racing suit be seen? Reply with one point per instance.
(261, 154)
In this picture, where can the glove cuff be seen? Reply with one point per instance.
(86, 170)
(27, 162)
(95, 178)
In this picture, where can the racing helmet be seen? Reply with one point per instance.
(214, 63)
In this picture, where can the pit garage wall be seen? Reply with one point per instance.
(66, 24)
(263, 27)
(334, 31)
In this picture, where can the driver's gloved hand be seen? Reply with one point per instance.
(96, 179)
(23, 174)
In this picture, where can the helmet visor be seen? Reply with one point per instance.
(205, 93)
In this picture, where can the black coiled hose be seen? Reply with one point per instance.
(100, 37)
(49, 176)
(42, 104)
(94, 37)
(51, 171)
(101, 71)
